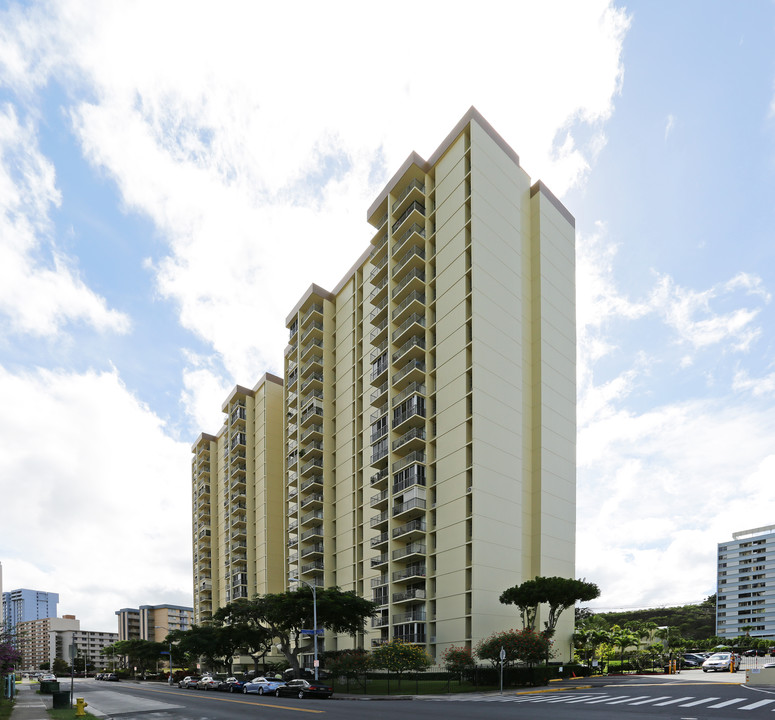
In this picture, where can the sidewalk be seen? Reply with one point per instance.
(29, 705)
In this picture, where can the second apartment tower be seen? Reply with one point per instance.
(429, 400)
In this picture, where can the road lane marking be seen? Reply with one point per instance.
(755, 705)
(646, 702)
(627, 699)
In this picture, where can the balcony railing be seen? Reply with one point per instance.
(415, 341)
(416, 456)
(410, 389)
(312, 549)
(412, 504)
(413, 594)
(413, 252)
(314, 308)
(409, 572)
(381, 580)
(411, 526)
(411, 186)
(411, 549)
(418, 432)
(411, 275)
(406, 213)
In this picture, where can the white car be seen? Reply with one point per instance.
(720, 661)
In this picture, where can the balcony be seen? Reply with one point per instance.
(379, 520)
(379, 393)
(314, 309)
(380, 621)
(316, 362)
(415, 188)
(316, 549)
(413, 348)
(379, 292)
(378, 332)
(413, 324)
(314, 480)
(316, 532)
(292, 477)
(313, 413)
(313, 449)
(315, 380)
(293, 525)
(412, 616)
(381, 539)
(378, 269)
(379, 560)
(315, 328)
(412, 638)
(314, 344)
(412, 371)
(411, 440)
(314, 432)
(315, 463)
(411, 550)
(380, 454)
(380, 500)
(314, 566)
(415, 506)
(414, 280)
(415, 571)
(314, 500)
(293, 542)
(414, 528)
(381, 580)
(379, 312)
(414, 257)
(316, 394)
(316, 516)
(410, 594)
(415, 208)
(379, 478)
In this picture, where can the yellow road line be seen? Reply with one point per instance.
(238, 702)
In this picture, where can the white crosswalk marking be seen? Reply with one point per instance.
(726, 702)
(627, 699)
(674, 701)
(700, 702)
(650, 700)
(755, 705)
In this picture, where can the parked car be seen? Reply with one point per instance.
(189, 681)
(231, 684)
(110, 677)
(754, 653)
(208, 682)
(304, 688)
(692, 660)
(719, 661)
(47, 678)
(261, 685)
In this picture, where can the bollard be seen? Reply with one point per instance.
(80, 705)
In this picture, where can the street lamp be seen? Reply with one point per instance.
(164, 627)
(314, 619)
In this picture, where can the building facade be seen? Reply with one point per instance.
(745, 596)
(24, 605)
(429, 403)
(238, 500)
(153, 622)
(44, 640)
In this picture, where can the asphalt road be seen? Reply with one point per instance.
(690, 696)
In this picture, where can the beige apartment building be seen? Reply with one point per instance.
(429, 405)
(152, 622)
(44, 640)
(239, 501)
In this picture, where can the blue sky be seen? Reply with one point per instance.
(161, 167)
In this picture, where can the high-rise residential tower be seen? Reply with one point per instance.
(745, 598)
(23, 605)
(430, 402)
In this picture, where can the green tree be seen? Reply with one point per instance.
(525, 645)
(348, 663)
(44, 666)
(623, 638)
(286, 614)
(60, 667)
(557, 592)
(457, 659)
(254, 638)
(399, 657)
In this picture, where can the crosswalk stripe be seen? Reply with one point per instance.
(755, 705)
(645, 702)
(627, 699)
(674, 701)
(726, 702)
(699, 702)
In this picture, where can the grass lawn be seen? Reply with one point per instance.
(67, 714)
(5, 709)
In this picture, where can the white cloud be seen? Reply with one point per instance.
(38, 296)
(95, 468)
(669, 125)
(256, 140)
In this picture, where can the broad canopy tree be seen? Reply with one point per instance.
(557, 592)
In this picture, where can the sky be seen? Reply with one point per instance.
(162, 164)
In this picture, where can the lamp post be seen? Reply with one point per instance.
(164, 627)
(314, 619)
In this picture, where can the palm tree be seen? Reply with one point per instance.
(623, 638)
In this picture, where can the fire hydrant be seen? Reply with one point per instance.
(80, 705)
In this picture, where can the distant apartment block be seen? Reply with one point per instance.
(23, 605)
(745, 599)
(152, 622)
(420, 449)
(42, 641)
